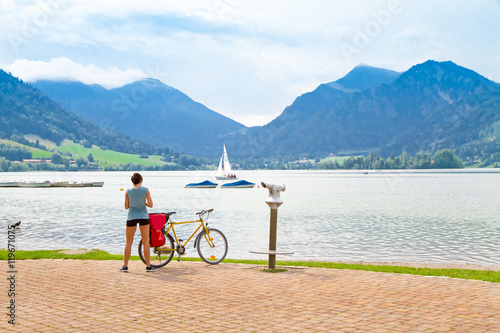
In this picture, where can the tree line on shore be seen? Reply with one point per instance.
(443, 159)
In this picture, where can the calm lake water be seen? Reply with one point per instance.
(411, 216)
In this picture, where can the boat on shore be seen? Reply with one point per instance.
(33, 184)
(8, 184)
(239, 184)
(59, 184)
(224, 171)
(80, 184)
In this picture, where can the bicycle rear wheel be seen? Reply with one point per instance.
(212, 247)
(160, 255)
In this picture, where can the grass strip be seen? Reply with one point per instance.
(490, 276)
(56, 254)
(482, 275)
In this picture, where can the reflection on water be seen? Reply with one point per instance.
(327, 215)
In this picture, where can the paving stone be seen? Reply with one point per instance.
(93, 296)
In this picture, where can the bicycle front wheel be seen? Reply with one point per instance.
(160, 255)
(212, 247)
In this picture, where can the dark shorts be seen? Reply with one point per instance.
(133, 223)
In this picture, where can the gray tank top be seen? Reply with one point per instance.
(137, 201)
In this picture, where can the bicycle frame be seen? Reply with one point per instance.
(212, 250)
(202, 226)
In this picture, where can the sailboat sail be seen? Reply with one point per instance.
(220, 171)
(224, 171)
(227, 166)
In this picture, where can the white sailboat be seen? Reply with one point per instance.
(224, 171)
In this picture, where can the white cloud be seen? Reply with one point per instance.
(65, 69)
(246, 59)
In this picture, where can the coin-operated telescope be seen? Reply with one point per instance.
(274, 200)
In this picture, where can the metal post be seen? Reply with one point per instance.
(273, 201)
(272, 238)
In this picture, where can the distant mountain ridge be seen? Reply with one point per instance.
(147, 110)
(364, 77)
(26, 110)
(431, 106)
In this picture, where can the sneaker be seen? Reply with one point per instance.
(124, 269)
(150, 269)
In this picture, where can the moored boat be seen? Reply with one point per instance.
(97, 184)
(204, 184)
(239, 184)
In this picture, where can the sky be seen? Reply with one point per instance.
(247, 60)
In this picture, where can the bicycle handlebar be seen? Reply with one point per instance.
(204, 212)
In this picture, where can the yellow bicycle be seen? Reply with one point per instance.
(210, 243)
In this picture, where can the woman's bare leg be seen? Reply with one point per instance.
(130, 232)
(145, 243)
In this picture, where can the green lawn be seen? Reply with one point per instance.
(47, 143)
(491, 276)
(107, 157)
(339, 159)
(37, 153)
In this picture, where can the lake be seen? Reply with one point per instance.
(412, 216)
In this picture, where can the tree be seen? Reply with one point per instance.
(379, 164)
(85, 143)
(446, 159)
(422, 160)
(90, 158)
(80, 161)
(186, 161)
(56, 158)
(405, 160)
(4, 164)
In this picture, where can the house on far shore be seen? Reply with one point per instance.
(36, 161)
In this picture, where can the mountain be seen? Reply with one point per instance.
(364, 77)
(26, 110)
(147, 110)
(431, 106)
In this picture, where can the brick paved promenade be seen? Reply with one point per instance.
(93, 296)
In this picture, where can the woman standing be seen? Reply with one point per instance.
(136, 200)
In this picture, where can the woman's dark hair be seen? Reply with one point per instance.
(136, 178)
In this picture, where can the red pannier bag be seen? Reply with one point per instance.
(156, 222)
